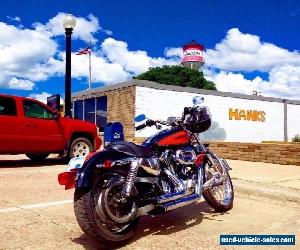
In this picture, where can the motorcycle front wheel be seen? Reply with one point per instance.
(101, 213)
(220, 197)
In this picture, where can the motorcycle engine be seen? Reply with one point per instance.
(181, 163)
(185, 156)
(150, 165)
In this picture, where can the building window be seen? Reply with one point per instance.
(101, 112)
(78, 110)
(89, 110)
(8, 106)
(92, 110)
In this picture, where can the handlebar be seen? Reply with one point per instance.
(141, 126)
(177, 121)
(158, 123)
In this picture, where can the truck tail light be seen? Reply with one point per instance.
(89, 156)
(67, 178)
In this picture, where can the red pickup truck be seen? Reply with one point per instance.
(30, 127)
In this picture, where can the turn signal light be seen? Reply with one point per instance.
(199, 160)
(67, 179)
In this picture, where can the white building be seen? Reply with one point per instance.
(236, 117)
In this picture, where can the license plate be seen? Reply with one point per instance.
(75, 162)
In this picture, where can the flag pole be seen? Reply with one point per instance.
(90, 65)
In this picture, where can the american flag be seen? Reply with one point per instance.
(85, 51)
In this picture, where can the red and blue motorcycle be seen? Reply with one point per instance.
(171, 169)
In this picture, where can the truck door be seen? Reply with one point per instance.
(10, 126)
(42, 133)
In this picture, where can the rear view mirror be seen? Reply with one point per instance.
(197, 100)
(140, 118)
(56, 115)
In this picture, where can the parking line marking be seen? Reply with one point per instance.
(38, 205)
(30, 171)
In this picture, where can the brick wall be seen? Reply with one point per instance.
(121, 108)
(285, 153)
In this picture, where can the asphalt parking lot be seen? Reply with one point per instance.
(37, 213)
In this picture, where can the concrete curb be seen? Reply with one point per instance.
(266, 190)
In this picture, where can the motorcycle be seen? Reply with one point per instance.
(169, 170)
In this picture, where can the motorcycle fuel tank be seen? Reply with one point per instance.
(169, 137)
(177, 138)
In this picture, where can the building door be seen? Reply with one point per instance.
(78, 110)
(101, 112)
(89, 110)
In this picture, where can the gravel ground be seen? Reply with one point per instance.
(53, 226)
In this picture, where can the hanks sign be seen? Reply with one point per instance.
(247, 115)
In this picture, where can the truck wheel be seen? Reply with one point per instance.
(37, 157)
(81, 146)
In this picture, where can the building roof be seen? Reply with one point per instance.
(148, 84)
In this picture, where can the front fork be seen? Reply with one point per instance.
(220, 167)
(199, 183)
(215, 162)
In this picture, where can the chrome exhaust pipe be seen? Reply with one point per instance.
(180, 202)
(181, 192)
(179, 187)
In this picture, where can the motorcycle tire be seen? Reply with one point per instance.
(217, 205)
(90, 222)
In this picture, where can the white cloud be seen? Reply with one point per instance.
(15, 83)
(245, 52)
(283, 82)
(135, 62)
(32, 55)
(174, 52)
(22, 49)
(16, 18)
(115, 62)
(102, 70)
(84, 30)
(108, 32)
(42, 97)
(233, 82)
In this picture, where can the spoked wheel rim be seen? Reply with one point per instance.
(81, 149)
(223, 193)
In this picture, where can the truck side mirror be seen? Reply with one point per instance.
(56, 115)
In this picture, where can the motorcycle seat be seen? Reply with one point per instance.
(130, 148)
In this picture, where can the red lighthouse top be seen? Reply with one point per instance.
(193, 52)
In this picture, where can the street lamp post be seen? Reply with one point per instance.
(69, 23)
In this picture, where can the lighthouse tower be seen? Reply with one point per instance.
(193, 55)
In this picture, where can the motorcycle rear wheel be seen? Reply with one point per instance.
(108, 232)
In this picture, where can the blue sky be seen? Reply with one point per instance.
(250, 44)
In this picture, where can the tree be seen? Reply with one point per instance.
(178, 76)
